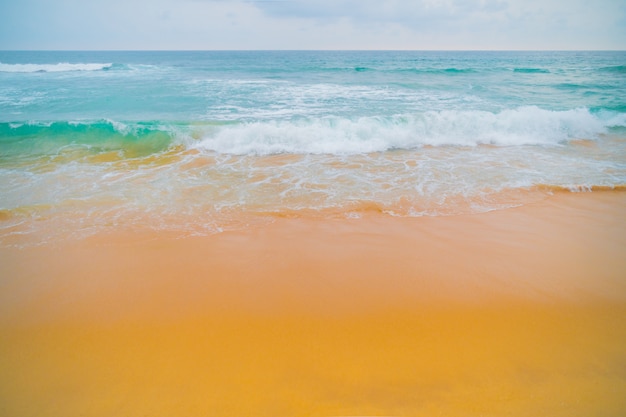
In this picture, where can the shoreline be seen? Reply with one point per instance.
(515, 311)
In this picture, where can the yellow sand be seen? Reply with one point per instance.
(519, 312)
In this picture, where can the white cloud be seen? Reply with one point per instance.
(309, 24)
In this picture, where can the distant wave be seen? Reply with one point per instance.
(437, 71)
(60, 67)
(459, 70)
(531, 70)
(382, 69)
(619, 69)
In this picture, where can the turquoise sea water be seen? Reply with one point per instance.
(199, 142)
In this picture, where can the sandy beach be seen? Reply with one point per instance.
(514, 312)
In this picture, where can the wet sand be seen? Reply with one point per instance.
(516, 312)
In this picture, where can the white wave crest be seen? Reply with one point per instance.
(522, 126)
(60, 67)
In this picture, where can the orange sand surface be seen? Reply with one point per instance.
(520, 312)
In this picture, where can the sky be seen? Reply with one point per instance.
(313, 24)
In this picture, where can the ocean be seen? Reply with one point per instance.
(197, 143)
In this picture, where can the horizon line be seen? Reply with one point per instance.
(313, 50)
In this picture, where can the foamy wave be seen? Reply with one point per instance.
(333, 135)
(60, 67)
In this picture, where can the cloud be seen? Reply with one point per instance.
(312, 24)
(368, 11)
(539, 24)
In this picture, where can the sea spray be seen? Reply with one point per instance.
(333, 135)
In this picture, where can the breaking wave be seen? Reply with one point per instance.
(334, 135)
(523, 126)
(59, 67)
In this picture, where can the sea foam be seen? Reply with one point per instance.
(335, 135)
(60, 67)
